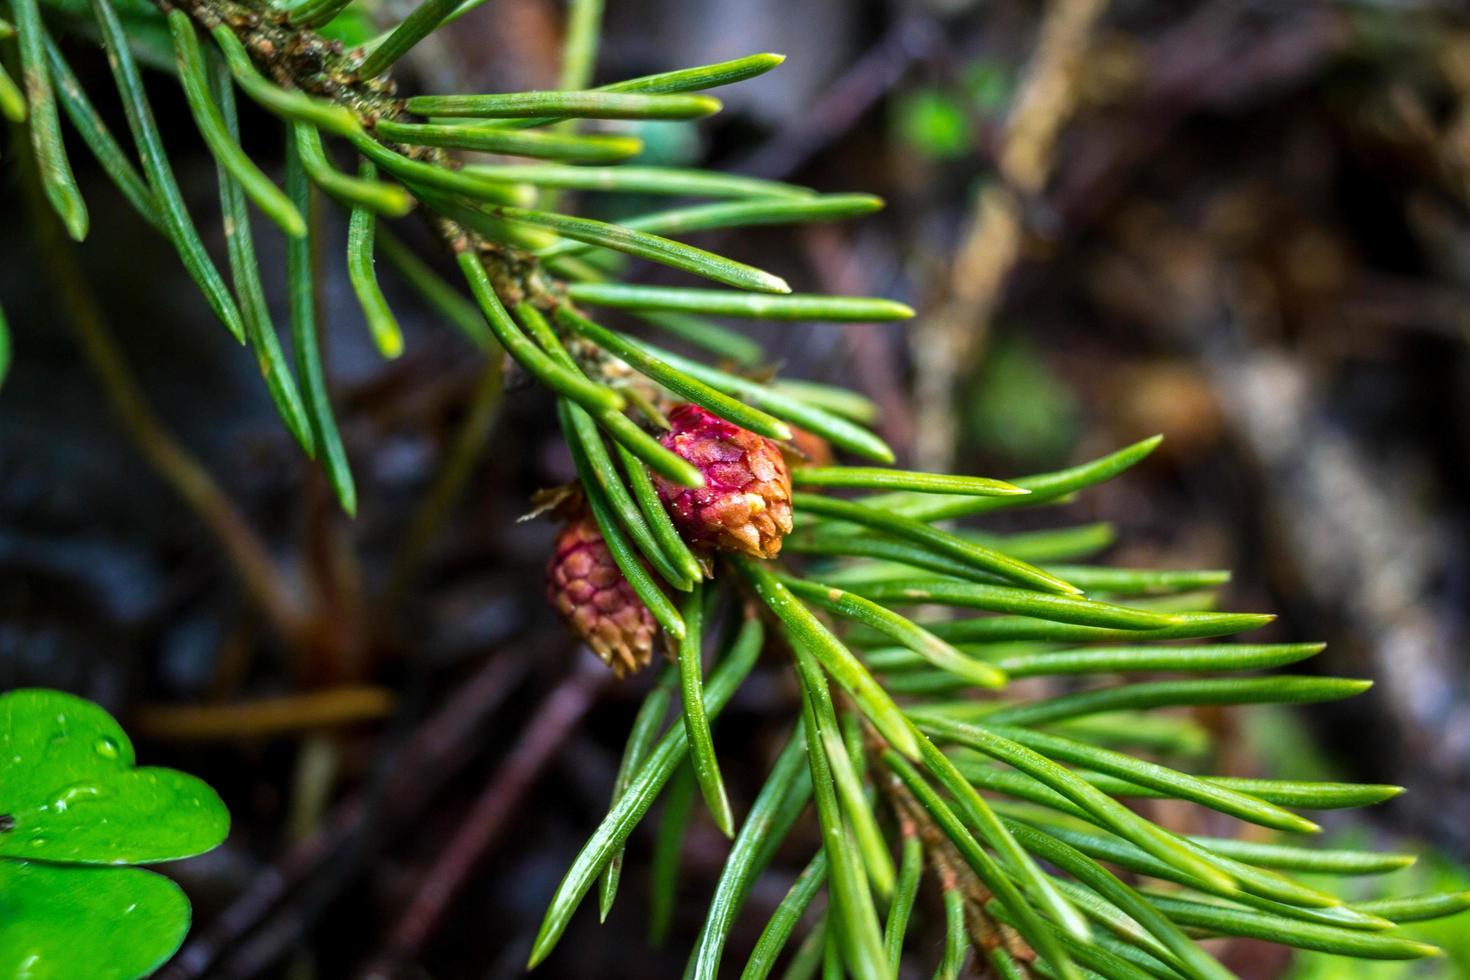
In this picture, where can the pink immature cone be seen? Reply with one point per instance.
(586, 586)
(745, 503)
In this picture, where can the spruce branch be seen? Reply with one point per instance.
(261, 44)
(684, 499)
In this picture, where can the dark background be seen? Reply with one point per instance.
(1243, 225)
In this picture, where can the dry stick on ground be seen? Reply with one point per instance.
(1181, 66)
(1339, 515)
(555, 721)
(244, 551)
(843, 104)
(1214, 58)
(945, 345)
(270, 716)
(436, 751)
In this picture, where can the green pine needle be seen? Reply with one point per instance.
(388, 200)
(723, 303)
(565, 105)
(743, 865)
(654, 248)
(301, 287)
(490, 138)
(172, 213)
(99, 139)
(676, 181)
(696, 722)
(875, 478)
(1027, 790)
(362, 274)
(808, 633)
(641, 736)
(784, 920)
(426, 17)
(674, 380)
(667, 755)
(56, 175)
(289, 104)
(194, 78)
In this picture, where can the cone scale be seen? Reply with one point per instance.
(745, 504)
(585, 585)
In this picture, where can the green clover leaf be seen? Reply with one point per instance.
(59, 921)
(71, 796)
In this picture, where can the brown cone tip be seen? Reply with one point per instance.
(585, 585)
(745, 503)
(810, 449)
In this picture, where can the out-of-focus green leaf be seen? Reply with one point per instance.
(933, 124)
(1016, 406)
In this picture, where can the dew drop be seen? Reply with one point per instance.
(105, 747)
(79, 793)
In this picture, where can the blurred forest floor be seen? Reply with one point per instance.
(1243, 224)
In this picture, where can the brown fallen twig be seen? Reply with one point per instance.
(265, 716)
(555, 720)
(436, 751)
(946, 344)
(1208, 59)
(843, 104)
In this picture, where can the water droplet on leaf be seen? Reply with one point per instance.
(79, 793)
